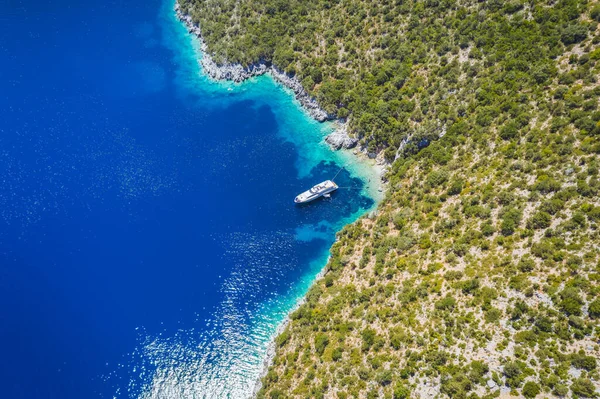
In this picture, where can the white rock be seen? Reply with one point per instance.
(575, 373)
(340, 139)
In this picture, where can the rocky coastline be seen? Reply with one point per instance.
(339, 139)
(237, 73)
(272, 347)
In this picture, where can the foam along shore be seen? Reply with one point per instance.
(237, 73)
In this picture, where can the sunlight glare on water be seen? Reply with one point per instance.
(226, 360)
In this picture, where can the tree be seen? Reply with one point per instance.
(574, 34)
(509, 131)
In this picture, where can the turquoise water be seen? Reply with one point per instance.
(150, 246)
(230, 368)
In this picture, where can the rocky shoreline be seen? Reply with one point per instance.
(341, 139)
(272, 347)
(337, 140)
(237, 73)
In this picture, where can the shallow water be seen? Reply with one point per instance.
(149, 246)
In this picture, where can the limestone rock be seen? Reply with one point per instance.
(340, 139)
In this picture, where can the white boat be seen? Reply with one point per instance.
(320, 190)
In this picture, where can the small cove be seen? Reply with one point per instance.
(150, 239)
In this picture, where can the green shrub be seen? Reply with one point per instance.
(282, 338)
(368, 336)
(509, 131)
(336, 355)
(594, 309)
(437, 178)
(570, 306)
(457, 386)
(456, 187)
(582, 361)
(448, 303)
(400, 391)
(470, 286)
(514, 374)
(595, 12)
(546, 184)
(570, 302)
(493, 315)
(540, 220)
(526, 264)
(561, 390)
(487, 229)
(552, 206)
(384, 377)
(399, 221)
(478, 370)
(573, 33)
(583, 388)
(544, 324)
(321, 342)
(531, 389)
(510, 221)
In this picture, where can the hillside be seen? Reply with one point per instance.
(479, 274)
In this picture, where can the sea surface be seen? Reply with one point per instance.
(149, 244)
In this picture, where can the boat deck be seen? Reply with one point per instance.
(316, 191)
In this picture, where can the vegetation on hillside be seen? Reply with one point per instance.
(394, 64)
(479, 274)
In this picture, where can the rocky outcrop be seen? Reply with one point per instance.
(341, 139)
(238, 73)
(308, 102)
(233, 72)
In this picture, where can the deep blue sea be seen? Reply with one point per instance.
(149, 244)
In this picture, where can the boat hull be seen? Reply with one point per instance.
(316, 192)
